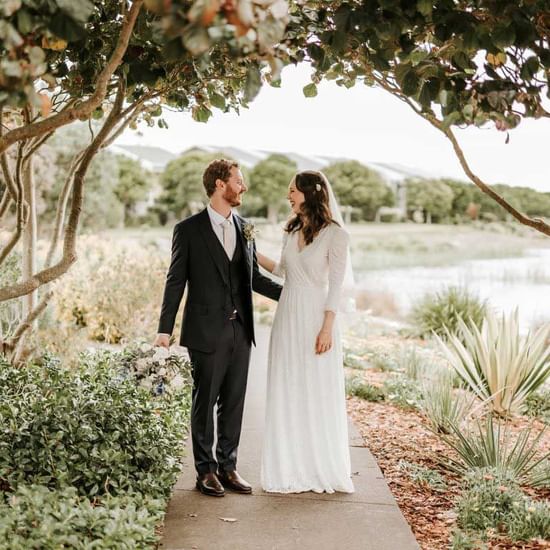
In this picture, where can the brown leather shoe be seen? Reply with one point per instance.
(209, 484)
(232, 480)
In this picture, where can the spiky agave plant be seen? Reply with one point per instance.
(442, 405)
(498, 364)
(491, 444)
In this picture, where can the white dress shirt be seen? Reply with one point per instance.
(217, 221)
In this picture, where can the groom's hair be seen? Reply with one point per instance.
(219, 169)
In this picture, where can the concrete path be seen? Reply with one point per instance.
(368, 519)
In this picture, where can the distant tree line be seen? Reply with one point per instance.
(356, 185)
(118, 184)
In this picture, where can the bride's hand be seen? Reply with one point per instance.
(323, 342)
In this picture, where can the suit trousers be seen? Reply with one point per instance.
(219, 377)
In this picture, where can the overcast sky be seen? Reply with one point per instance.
(361, 123)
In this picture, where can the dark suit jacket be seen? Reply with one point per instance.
(198, 261)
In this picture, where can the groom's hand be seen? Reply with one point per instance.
(162, 340)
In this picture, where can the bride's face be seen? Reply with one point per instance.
(295, 197)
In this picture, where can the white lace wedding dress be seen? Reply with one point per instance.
(305, 445)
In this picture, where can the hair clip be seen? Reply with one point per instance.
(318, 186)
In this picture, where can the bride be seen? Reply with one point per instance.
(305, 445)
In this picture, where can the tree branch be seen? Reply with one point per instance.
(17, 193)
(9, 345)
(84, 109)
(536, 223)
(69, 245)
(5, 202)
(62, 208)
(37, 143)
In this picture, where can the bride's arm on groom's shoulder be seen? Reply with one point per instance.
(262, 284)
(267, 263)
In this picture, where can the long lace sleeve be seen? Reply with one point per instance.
(279, 269)
(337, 258)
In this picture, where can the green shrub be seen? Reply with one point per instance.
(403, 392)
(112, 292)
(489, 496)
(461, 540)
(423, 476)
(358, 388)
(354, 361)
(529, 520)
(435, 312)
(492, 500)
(35, 517)
(383, 362)
(90, 427)
(537, 405)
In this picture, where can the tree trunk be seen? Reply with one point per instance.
(28, 265)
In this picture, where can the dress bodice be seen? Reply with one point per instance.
(320, 264)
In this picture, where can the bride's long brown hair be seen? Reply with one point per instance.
(314, 212)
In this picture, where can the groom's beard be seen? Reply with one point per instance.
(234, 199)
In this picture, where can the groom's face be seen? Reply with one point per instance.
(234, 188)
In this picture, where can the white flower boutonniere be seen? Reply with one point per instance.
(249, 232)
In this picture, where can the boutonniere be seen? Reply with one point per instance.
(249, 232)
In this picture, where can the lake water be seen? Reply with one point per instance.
(506, 283)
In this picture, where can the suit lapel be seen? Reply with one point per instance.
(213, 244)
(247, 250)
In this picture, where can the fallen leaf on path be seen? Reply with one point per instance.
(229, 520)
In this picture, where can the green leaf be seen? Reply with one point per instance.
(310, 90)
(253, 83)
(468, 111)
(451, 119)
(66, 28)
(411, 83)
(504, 36)
(460, 59)
(316, 52)
(79, 10)
(424, 7)
(217, 100)
(424, 96)
(545, 58)
(24, 21)
(530, 68)
(401, 71)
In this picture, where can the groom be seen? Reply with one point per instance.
(213, 252)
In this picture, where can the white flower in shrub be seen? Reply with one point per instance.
(145, 347)
(141, 365)
(146, 383)
(177, 382)
(161, 362)
(163, 371)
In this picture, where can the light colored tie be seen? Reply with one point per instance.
(228, 238)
